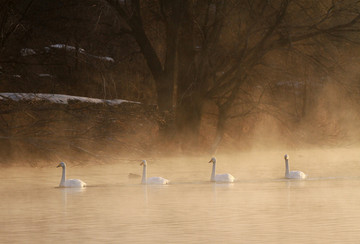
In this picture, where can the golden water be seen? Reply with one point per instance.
(260, 207)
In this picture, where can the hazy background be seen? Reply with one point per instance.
(243, 80)
(212, 77)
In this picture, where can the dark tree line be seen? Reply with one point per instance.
(210, 49)
(231, 54)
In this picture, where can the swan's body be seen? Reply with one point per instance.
(220, 177)
(73, 183)
(151, 180)
(224, 178)
(156, 181)
(292, 174)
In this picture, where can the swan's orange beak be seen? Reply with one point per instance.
(210, 161)
(58, 166)
(142, 163)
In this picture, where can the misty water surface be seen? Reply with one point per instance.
(260, 207)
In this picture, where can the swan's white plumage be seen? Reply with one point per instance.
(151, 180)
(292, 174)
(76, 183)
(71, 183)
(220, 177)
(224, 178)
(157, 181)
(296, 175)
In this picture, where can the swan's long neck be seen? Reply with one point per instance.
(287, 168)
(63, 177)
(143, 179)
(213, 172)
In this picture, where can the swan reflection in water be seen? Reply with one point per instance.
(69, 193)
(219, 189)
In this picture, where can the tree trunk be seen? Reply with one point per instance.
(188, 120)
(305, 98)
(220, 130)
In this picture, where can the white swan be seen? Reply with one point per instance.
(222, 177)
(151, 180)
(75, 183)
(292, 174)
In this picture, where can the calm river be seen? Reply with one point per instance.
(260, 207)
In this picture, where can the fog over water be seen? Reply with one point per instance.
(248, 80)
(260, 207)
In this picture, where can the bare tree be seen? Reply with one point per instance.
(216, 47)
(11, 16)
(302, 28)
(162, 69)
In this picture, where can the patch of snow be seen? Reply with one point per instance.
(17, 76)
(109, 59)
(66, 47)
(27, 52)
(82, 51)
(59, 98)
